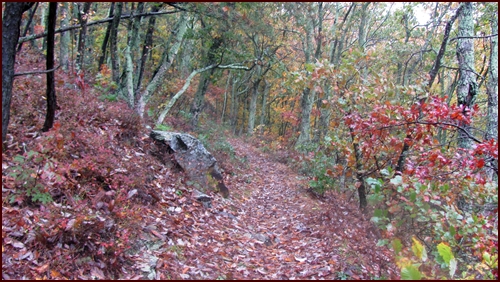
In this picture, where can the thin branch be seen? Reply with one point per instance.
(435, 124)
(59, 30)
(452, 68)
(473, 37)
(36, 72)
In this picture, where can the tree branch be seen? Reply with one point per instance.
(36, 72)
(59, 30)
(452, 68)
(473, 37)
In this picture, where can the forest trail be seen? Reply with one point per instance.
(280, 232)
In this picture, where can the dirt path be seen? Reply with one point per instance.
(280, 232)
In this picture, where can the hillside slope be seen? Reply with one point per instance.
(91, 199)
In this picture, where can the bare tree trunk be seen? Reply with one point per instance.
(307, 98)
(28, 25)
(104, 45)
(131, 49)
(115, 62)
(442, 49)
(148, 43)
(172, 101)
(264, 104)
(492, 90)
(467, 86)
(176, 40)
(11, 22)
(82, 18)
(51, 90)
(65, 40)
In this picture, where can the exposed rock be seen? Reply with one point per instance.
(200, 166)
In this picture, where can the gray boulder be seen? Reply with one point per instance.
(200, 166)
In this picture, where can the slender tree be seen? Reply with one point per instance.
(51, 90)
(467, 85)
(11, 22)
(115, 63)
(104, 46)
(83, 13)
(65, 39)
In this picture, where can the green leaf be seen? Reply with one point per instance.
(445, 252)
(452, 230)
(419, 249)
(410, 273)
(382, 242)
(397, 246)
(413, 197)
(309, 67)
(19, 159)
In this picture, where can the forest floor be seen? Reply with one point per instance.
(118, 212)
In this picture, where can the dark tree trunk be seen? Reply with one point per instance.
(51, 91)
(11, 23)
(115, 64)
(28, 24)
(106, 37)
(442, 49)
(83, 18)
(148, 43)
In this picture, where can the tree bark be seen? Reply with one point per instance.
(172, 101)
(492, 89)
(11, 23)
(51, 90)
(467, 86)
(130, 50)
(82, 18)
(104, 45)
(264, 104)
(28, 25)
(115, 62)
(65, 40)
(148, 43)
(437, 64)
(307, 98)
(176, 40)
(199, 96)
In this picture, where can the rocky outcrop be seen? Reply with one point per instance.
(200, 166)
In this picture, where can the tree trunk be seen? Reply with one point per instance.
(307, 98)
(172, 101)
(199, 96)
(82, 18)
(130, 50)
(176, 40)
(51, 90)
(467, 86)
(28, 25)
(115, 61)
(65, 40)
(11, 23)
(492, 89)
(264, 104)
(148, 43)
(437, 63)
(104, 45)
